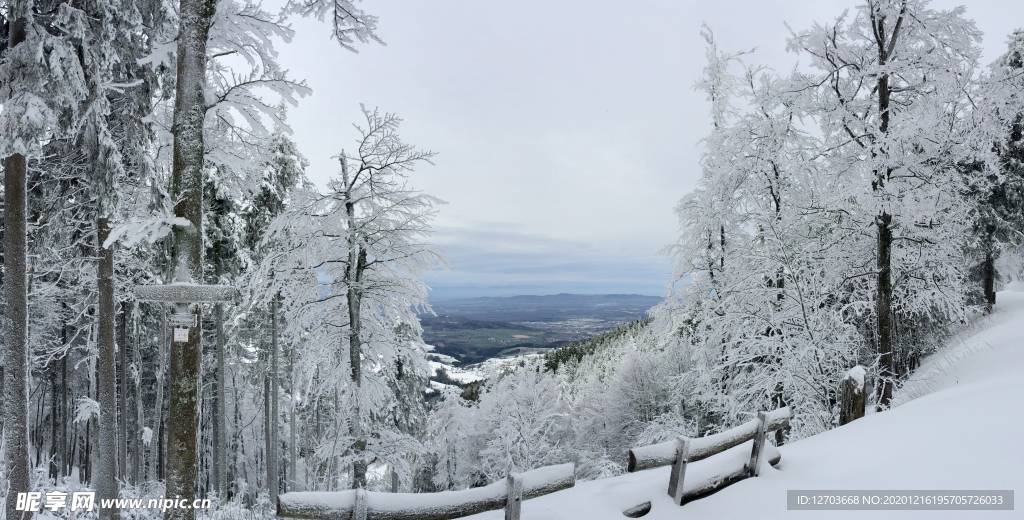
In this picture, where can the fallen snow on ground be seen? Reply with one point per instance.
(461, 375)
(959, 427)
(479, 371)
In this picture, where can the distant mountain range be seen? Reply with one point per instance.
(441, 323)
(476, 329)
(556, 307)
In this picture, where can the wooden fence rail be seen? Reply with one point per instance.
(684, 450)
(358, 504)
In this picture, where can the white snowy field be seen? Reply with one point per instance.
(960, 427)
(476, 372)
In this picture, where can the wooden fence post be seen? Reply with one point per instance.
(754, 468)
(675, 480)
(851, 388)
(514, 502)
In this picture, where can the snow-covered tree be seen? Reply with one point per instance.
(365, 241)
(780, 288)
(41, 85)
(892, 85)
(994, 178)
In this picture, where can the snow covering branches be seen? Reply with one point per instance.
(43, 81)
(830, 226)
(825, 193)
(348, 23)
(348, 262)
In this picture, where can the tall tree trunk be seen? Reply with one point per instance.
(106, 474)
(990, 282)
(137, 445)
(54, 421)
(85, 464)
(338, 472)
(156, 461)
(885, 43)
(883, 309)
(40, 418)
(989, 270)
(274, 399)
(353, 280)
(65, 453)
(16, 385)
(71, 441)
(122, 397)
(293, 477)
(186, 258)
(355, 362)
(270, 407)
(92, 438)
(237, 448)
(268, 438)
(219, 418)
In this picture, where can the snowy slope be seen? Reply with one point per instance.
(964, 431)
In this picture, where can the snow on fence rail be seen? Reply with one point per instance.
(357, 504)
(684, 450)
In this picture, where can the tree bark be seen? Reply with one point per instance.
(54, 421)
(355, 362)
(883, 310)
(269, 419)
(353, 278)
(122, 397)
(885, 43)
(16, 385)
(186, 258)
(85, 466)
(106, 474)
(220, 419)
(268, 441)
(237, 448)
(156, 460)
(989, 274)
(67, 451)
(138, 448)
(39, 417)
(275, 483)
(293, 477)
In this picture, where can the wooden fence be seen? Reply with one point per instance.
(684, 450)
(357, 504)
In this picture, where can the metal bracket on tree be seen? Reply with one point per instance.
(184, 293)
(181, 295)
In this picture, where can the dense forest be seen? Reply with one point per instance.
(185, 314)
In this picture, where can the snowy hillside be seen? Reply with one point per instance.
(959, 428)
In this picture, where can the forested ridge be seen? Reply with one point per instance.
(857, 210)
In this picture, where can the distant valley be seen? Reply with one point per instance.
(473, 330)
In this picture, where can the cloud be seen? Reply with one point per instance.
(492, 259)
(573, 121)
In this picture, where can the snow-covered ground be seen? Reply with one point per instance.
(960, 427)
(462, 375)
(476, 372)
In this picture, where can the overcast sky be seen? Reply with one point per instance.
(566, 130)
